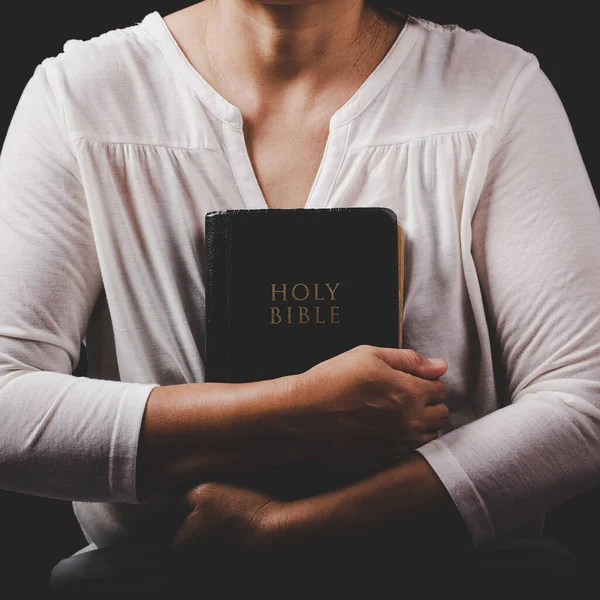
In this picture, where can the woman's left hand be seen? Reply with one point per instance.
(226, 518)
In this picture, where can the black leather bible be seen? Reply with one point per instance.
(289, 288)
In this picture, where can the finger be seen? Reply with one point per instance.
(435, 417)
(433, 391)
(187, 533)
(191, 498)
(430, 392)
(436, 392)
(411, 362)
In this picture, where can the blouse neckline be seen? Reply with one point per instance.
(231, 114)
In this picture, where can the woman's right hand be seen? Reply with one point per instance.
(366, 405)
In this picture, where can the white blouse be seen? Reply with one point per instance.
(118, 148)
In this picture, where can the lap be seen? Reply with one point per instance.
(156, 572)
(506, 560)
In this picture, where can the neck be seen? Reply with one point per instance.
(289, 49)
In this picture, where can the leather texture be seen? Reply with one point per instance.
(257, 332)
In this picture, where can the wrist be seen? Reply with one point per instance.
(199, 431)
(276, 526)
(280, 418)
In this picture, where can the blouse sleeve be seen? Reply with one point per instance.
(535, 246)
(60, 436)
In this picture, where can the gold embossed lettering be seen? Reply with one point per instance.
(275, 312)
(294, 291)
(283, 291)
(317, 309)
(333, 310)
(332, 291)
(303, 312)
(317, 292)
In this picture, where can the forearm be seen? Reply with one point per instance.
(406, 505)
(193, 432)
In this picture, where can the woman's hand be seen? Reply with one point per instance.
(366, 405)
(226, 519)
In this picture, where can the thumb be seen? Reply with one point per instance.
(412, 362)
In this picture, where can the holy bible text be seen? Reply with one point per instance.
(292, 313)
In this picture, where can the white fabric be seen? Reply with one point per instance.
(117, 150)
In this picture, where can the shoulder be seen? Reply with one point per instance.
(466, 74)
(469, 51)
(93, 63)
(106, 82)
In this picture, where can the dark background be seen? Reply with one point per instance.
(34, 532)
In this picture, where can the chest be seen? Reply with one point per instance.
(286, 159)
(150, 206)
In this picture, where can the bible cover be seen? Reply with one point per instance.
(289, 288)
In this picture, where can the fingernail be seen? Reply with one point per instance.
(437, 362)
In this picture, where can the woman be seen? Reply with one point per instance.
(118, 148)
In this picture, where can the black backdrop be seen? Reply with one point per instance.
(35, 532)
